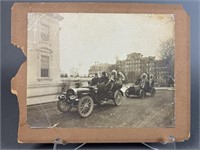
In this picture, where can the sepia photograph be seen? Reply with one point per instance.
(100, 70)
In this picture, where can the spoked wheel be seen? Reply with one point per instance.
(63, 106)
(85, 106)
(127, 93)
(142, 94)
(117, 98)
(153, 92)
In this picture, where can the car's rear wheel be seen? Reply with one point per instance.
(117, 98)
(127, 93)
(152, 91)
(142, 94)
(85, 106)
(63, 106)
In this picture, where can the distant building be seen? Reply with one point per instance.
(98, 68)
(133, 66)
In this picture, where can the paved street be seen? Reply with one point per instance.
(157, 111)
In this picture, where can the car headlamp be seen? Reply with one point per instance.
(62, 97)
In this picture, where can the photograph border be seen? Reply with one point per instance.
(181, 131)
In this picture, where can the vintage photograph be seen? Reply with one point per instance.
(100, 70)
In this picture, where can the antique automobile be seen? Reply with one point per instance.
(140, 90)
(84, 98)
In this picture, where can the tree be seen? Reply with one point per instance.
(166, 51)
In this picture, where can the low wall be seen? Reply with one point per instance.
(49, 92)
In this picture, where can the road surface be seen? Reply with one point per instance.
(156, 111)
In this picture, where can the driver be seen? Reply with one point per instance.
(95, 80)
(103, 80)
(151, 81)
(144, 80)
(106, 84)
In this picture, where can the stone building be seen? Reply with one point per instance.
(131, 66)
(135, 64)
(43, 57)
(98, 68)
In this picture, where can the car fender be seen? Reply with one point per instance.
(84, 94)
(121, 92)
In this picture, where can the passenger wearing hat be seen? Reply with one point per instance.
(151, 81)
(103, 79)
(95, 80)
(144, 80)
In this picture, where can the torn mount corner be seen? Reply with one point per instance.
(13, 86)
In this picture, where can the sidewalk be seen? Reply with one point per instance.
(165, 88)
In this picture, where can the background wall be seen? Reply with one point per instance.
(12, 58)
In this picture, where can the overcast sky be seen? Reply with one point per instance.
(86, 38)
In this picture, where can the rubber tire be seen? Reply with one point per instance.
(142, 94)
(59, 105)
(79, 106)
(126, 93)
(117, 93)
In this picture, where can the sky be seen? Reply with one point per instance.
(86, 38)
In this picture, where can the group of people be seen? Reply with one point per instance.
(116, 80)
(105, 82)
(96, 80)
(146, 80)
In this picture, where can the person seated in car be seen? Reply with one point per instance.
(103, 79)
(121, 76)
(120, 80)
(151, 81)
(112, 81)
(144, 80)
(105, 83)
(95, 80)
(138, 81)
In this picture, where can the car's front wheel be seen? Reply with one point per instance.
(85, 106)
(117, 98)
(142, 94)
(63, 106)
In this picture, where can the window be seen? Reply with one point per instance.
(44, 66)
(44, 33)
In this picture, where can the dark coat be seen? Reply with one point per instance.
(95, 81)
(103, 80)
